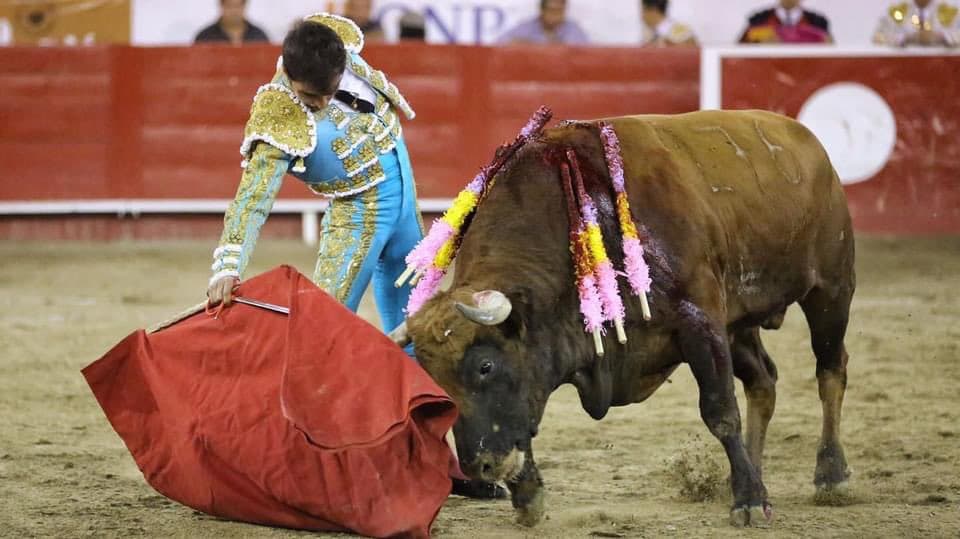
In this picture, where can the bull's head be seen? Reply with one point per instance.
(474, 345)
(471, 344)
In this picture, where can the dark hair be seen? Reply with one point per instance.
(659, 5)
(543, 3)
(313, 54)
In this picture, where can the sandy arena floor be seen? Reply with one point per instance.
(65, 473)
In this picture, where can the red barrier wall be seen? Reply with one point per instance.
(125, 122)
(918, 191)
(159, 123)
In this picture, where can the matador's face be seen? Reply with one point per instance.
(314, 98)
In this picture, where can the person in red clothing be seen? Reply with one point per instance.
(787, 23)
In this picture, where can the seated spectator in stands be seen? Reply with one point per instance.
(412, 27)
(361, 13)
(550, 27)
(787, 23)
(926, 23)
(231, 27)
(660, 30)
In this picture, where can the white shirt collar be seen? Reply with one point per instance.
(353, 84)
(790, 17)
(663, 29)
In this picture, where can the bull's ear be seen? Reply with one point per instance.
(515, 326)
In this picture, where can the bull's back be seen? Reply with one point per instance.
(736, 162)
(752, 189)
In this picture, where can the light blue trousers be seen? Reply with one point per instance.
(367, 236)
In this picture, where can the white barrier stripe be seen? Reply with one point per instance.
(135, 207)
(711, 79)
(825, 51)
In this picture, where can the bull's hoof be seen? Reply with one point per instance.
(756, 516)
(836, 494)
(480, 490)
(531, 514)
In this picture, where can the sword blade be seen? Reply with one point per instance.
(263, 305)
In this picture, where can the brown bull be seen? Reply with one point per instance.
(742, 215)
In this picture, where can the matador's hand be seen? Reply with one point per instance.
(222, 290)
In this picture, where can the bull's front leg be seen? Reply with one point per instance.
(526, 492)
(704, 347)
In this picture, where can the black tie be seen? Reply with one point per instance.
(352, 101)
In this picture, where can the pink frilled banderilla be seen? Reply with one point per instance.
(638, 273)
(600, 299)
(588, 290)
(430, 259)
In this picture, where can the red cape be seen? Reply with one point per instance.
(315, 421)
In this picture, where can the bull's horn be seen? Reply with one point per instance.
(492, 308)
(400, 335)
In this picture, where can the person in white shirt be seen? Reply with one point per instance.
(659, 30)
(925, 23)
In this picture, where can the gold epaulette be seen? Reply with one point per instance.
(280, 119)
(680, 33)
(947, 14)
(898, 12)
(349, 32)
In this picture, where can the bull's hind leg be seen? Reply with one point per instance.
(753, 366)
(827, 312)
(703, 344)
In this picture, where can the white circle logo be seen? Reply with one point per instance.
(855, 125)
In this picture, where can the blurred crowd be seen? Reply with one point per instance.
(899, 24)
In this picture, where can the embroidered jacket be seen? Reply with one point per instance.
(905, 19)
(775, 25)
(335, 152)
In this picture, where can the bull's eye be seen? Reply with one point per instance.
(486, 367)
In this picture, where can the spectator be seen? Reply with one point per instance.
(412, 27)
(787, 23)
(925, 23)
(660, 30)
(550, 27)
(231, 27)
(361, 13)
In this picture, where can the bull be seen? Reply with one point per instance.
(741, 214)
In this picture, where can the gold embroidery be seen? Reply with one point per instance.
(359, 68)
(360, 160)
(349, 33)
(378, 80)
(336, 115)
(356, 132)
(899, 12)
(257, 191)
(369, 201)
(338, 237)
(339, 188)
(276, 118)
(386, 137)
(382, 105)
(947, 14)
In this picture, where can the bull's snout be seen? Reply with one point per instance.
(483, 467)
(488, 466)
